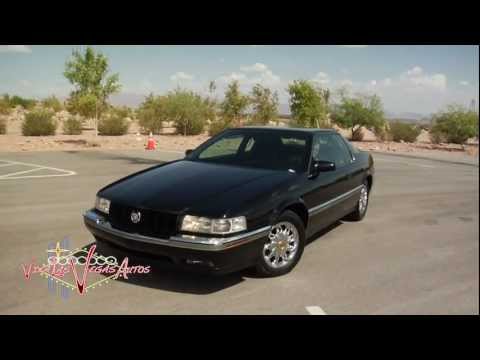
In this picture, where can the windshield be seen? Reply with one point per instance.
(276, 149)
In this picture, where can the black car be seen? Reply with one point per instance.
(248, 197)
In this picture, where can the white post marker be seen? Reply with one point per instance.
(315, 310)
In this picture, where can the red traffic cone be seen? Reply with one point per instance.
(151, 145)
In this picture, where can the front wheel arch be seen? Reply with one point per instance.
(296, 206)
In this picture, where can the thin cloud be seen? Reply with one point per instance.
(180, 75)
(15, 48)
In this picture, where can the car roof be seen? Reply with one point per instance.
(276, 128)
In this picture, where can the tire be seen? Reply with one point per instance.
(286, 238)
(362, 206)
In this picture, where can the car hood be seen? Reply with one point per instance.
(183, 186)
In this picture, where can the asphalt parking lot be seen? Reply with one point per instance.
(416, 252)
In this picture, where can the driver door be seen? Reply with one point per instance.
(326, 187)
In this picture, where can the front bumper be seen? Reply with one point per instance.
(221, 255)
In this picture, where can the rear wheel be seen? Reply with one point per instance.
(362, 205)
(283, 247)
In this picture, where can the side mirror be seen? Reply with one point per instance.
(188, 152)
(321, 166)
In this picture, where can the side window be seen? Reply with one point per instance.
(345, 148)
(249, 145)
(225, 146)
(327, 147)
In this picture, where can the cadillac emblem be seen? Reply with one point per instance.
(135, 216)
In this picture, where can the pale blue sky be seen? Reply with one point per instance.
(418, 79)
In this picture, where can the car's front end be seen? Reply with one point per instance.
(208, 252)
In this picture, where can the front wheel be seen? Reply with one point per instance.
(283, 247)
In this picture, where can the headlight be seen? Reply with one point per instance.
(213, 226)
(102, 205)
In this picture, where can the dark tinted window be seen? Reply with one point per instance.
(328, 147)
(277, 149)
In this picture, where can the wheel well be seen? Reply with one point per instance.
(369, 181)
(301, 211)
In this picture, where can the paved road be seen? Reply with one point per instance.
(415, 253)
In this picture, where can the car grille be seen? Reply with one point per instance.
(152, 223)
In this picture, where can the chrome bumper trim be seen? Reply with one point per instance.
(319, 208)
(97, 222)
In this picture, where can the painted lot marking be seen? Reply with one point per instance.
(34, 167)
(315, 310)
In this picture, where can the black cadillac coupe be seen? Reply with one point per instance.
(248, 197)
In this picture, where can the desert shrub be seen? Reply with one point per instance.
(437, 137)
(113, 123)
(38, 123)
(72, 126)
(3, 125)
(152, 113)
(383, 134)
(217, 127)
(53, 103)
(455, 125)
(15, 101)
(402, 131)
(4, 107)
(188, 111)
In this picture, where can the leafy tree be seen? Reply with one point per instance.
(234, 105)
(188, 111)
(355, 112)
(454, 124)
(84, 105)
(152, 113)
(308, 104)
(401, 131)
(212, 87)
(53, 103)
(265, 104)
(88, 72)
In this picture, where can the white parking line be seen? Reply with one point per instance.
(3, 165)
(315, 310)
(35, 167)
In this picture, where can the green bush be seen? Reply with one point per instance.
(188, 111)
(455, 125)
(72, 126)
(113, 124)
(437, 137)
(4, 107)
(53, 103)
(151, 114)
(3, 125)
(38, 123)
(217, 127)
(402, 131)
(15, 100)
